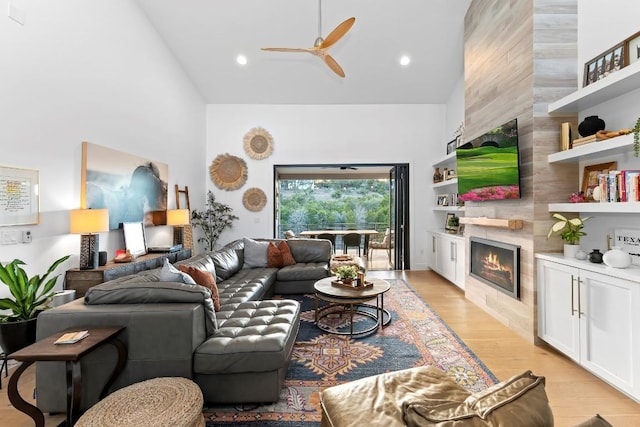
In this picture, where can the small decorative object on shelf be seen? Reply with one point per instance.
(576, 197)
(590, 125)
(595, 256)
(437, 176)
(617, 258)
(581, 255)
(636, 138)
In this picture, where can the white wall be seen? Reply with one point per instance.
(622, 112)
(316, 134)
(86, 70)
(455, 109)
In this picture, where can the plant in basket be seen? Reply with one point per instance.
(347, 273)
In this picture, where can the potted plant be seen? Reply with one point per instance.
(347, 273)
(29, 298)
(213, 220)
(636, 138)
(570, 231)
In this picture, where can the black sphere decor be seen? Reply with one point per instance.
(590, 125)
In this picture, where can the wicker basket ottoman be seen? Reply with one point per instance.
(159, 402)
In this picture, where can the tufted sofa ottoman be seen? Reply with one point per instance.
(247, 358)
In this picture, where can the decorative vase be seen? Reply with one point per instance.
(590, 125)
(595, 256)
(617, 258)
(581, 255)
(437, 176)
(570, 251)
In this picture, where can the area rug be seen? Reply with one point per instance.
(416, 336)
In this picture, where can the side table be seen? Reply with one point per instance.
(46, 350)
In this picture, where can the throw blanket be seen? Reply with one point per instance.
(130, 291)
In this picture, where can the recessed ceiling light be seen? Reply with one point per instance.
(241, 59)
(405, 60)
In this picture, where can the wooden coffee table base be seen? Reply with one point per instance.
(46, 350)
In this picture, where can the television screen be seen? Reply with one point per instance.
(487, 167)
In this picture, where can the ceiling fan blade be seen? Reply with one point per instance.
(285, 49)
(337, 33)
(333, 65)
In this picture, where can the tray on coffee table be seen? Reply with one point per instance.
(341, 284)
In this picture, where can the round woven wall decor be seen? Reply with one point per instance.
(228, 172)
(258, 143)
(254, 199)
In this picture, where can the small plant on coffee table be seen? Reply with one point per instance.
(347, 273)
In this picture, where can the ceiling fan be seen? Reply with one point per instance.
(321, 45)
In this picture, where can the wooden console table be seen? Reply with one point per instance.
(82, 280)
(46, 350)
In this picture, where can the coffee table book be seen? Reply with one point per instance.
(72, 337)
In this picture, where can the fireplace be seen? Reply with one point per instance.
(497, 264)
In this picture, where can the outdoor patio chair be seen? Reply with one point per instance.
(351, 240)
(385, 244)
(330, 237)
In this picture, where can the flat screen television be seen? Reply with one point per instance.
(488, 167)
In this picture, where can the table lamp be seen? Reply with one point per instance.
(87, 222)
(178, 218)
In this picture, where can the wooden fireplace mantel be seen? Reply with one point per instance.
(512, 224)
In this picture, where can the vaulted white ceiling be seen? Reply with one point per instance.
(206, 36)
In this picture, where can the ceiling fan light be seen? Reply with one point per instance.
(241, 59)
(318, 42)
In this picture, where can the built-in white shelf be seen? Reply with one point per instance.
(446, 183)
(449, 208)
(444, 160)
(594, 150)
(614, 85)
(621, 207)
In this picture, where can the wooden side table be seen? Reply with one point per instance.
(46, 350)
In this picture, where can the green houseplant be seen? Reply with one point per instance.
(347, 273)
(29, 297)
(212, 220)
(570, 231)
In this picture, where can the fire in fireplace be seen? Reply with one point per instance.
(496, 264)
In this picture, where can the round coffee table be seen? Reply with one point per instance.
(352, 302)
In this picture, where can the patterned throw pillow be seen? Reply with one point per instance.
(206, 279)
(171, 274)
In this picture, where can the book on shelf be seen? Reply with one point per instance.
(619, 186)
(585, 140)
(565, 136)
(72, 337)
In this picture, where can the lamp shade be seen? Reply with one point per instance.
(178, 217)
(82, 221)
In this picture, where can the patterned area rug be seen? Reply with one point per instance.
(416, 336)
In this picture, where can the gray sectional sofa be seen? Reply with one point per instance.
(238, 354)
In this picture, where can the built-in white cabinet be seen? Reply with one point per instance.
(590, 313)
(446, 256)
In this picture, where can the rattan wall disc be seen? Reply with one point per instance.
(254, 199)
(228, 172)
(258, 143)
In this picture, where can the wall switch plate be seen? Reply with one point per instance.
(26, 236)
(10, 237)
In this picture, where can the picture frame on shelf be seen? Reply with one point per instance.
(451, 146)
(590, 177)
(604, 64)
(461, 229)
(632, 49)
(629, 241)
(442, 200)
(452, 223)
(451, 173)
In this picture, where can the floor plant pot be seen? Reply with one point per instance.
(570, 251)
(17, 335)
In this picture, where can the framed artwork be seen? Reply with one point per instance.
(632, 48)
(131, 187)
(442, 200)
(449, 225)
(461, 229)
(19, 200)
(590, 177)
(451, 146)
(604, 64)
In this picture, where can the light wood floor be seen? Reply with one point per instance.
(575, 394)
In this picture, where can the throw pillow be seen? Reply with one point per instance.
(206, 279)
(171, 274)
(255, 253)
(287, 257)
(274, 256)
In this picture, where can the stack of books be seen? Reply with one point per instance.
(586, 140)
(619, 186)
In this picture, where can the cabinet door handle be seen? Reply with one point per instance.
(580, 312)
(433, 244)
(573, 308)
(452, 251)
